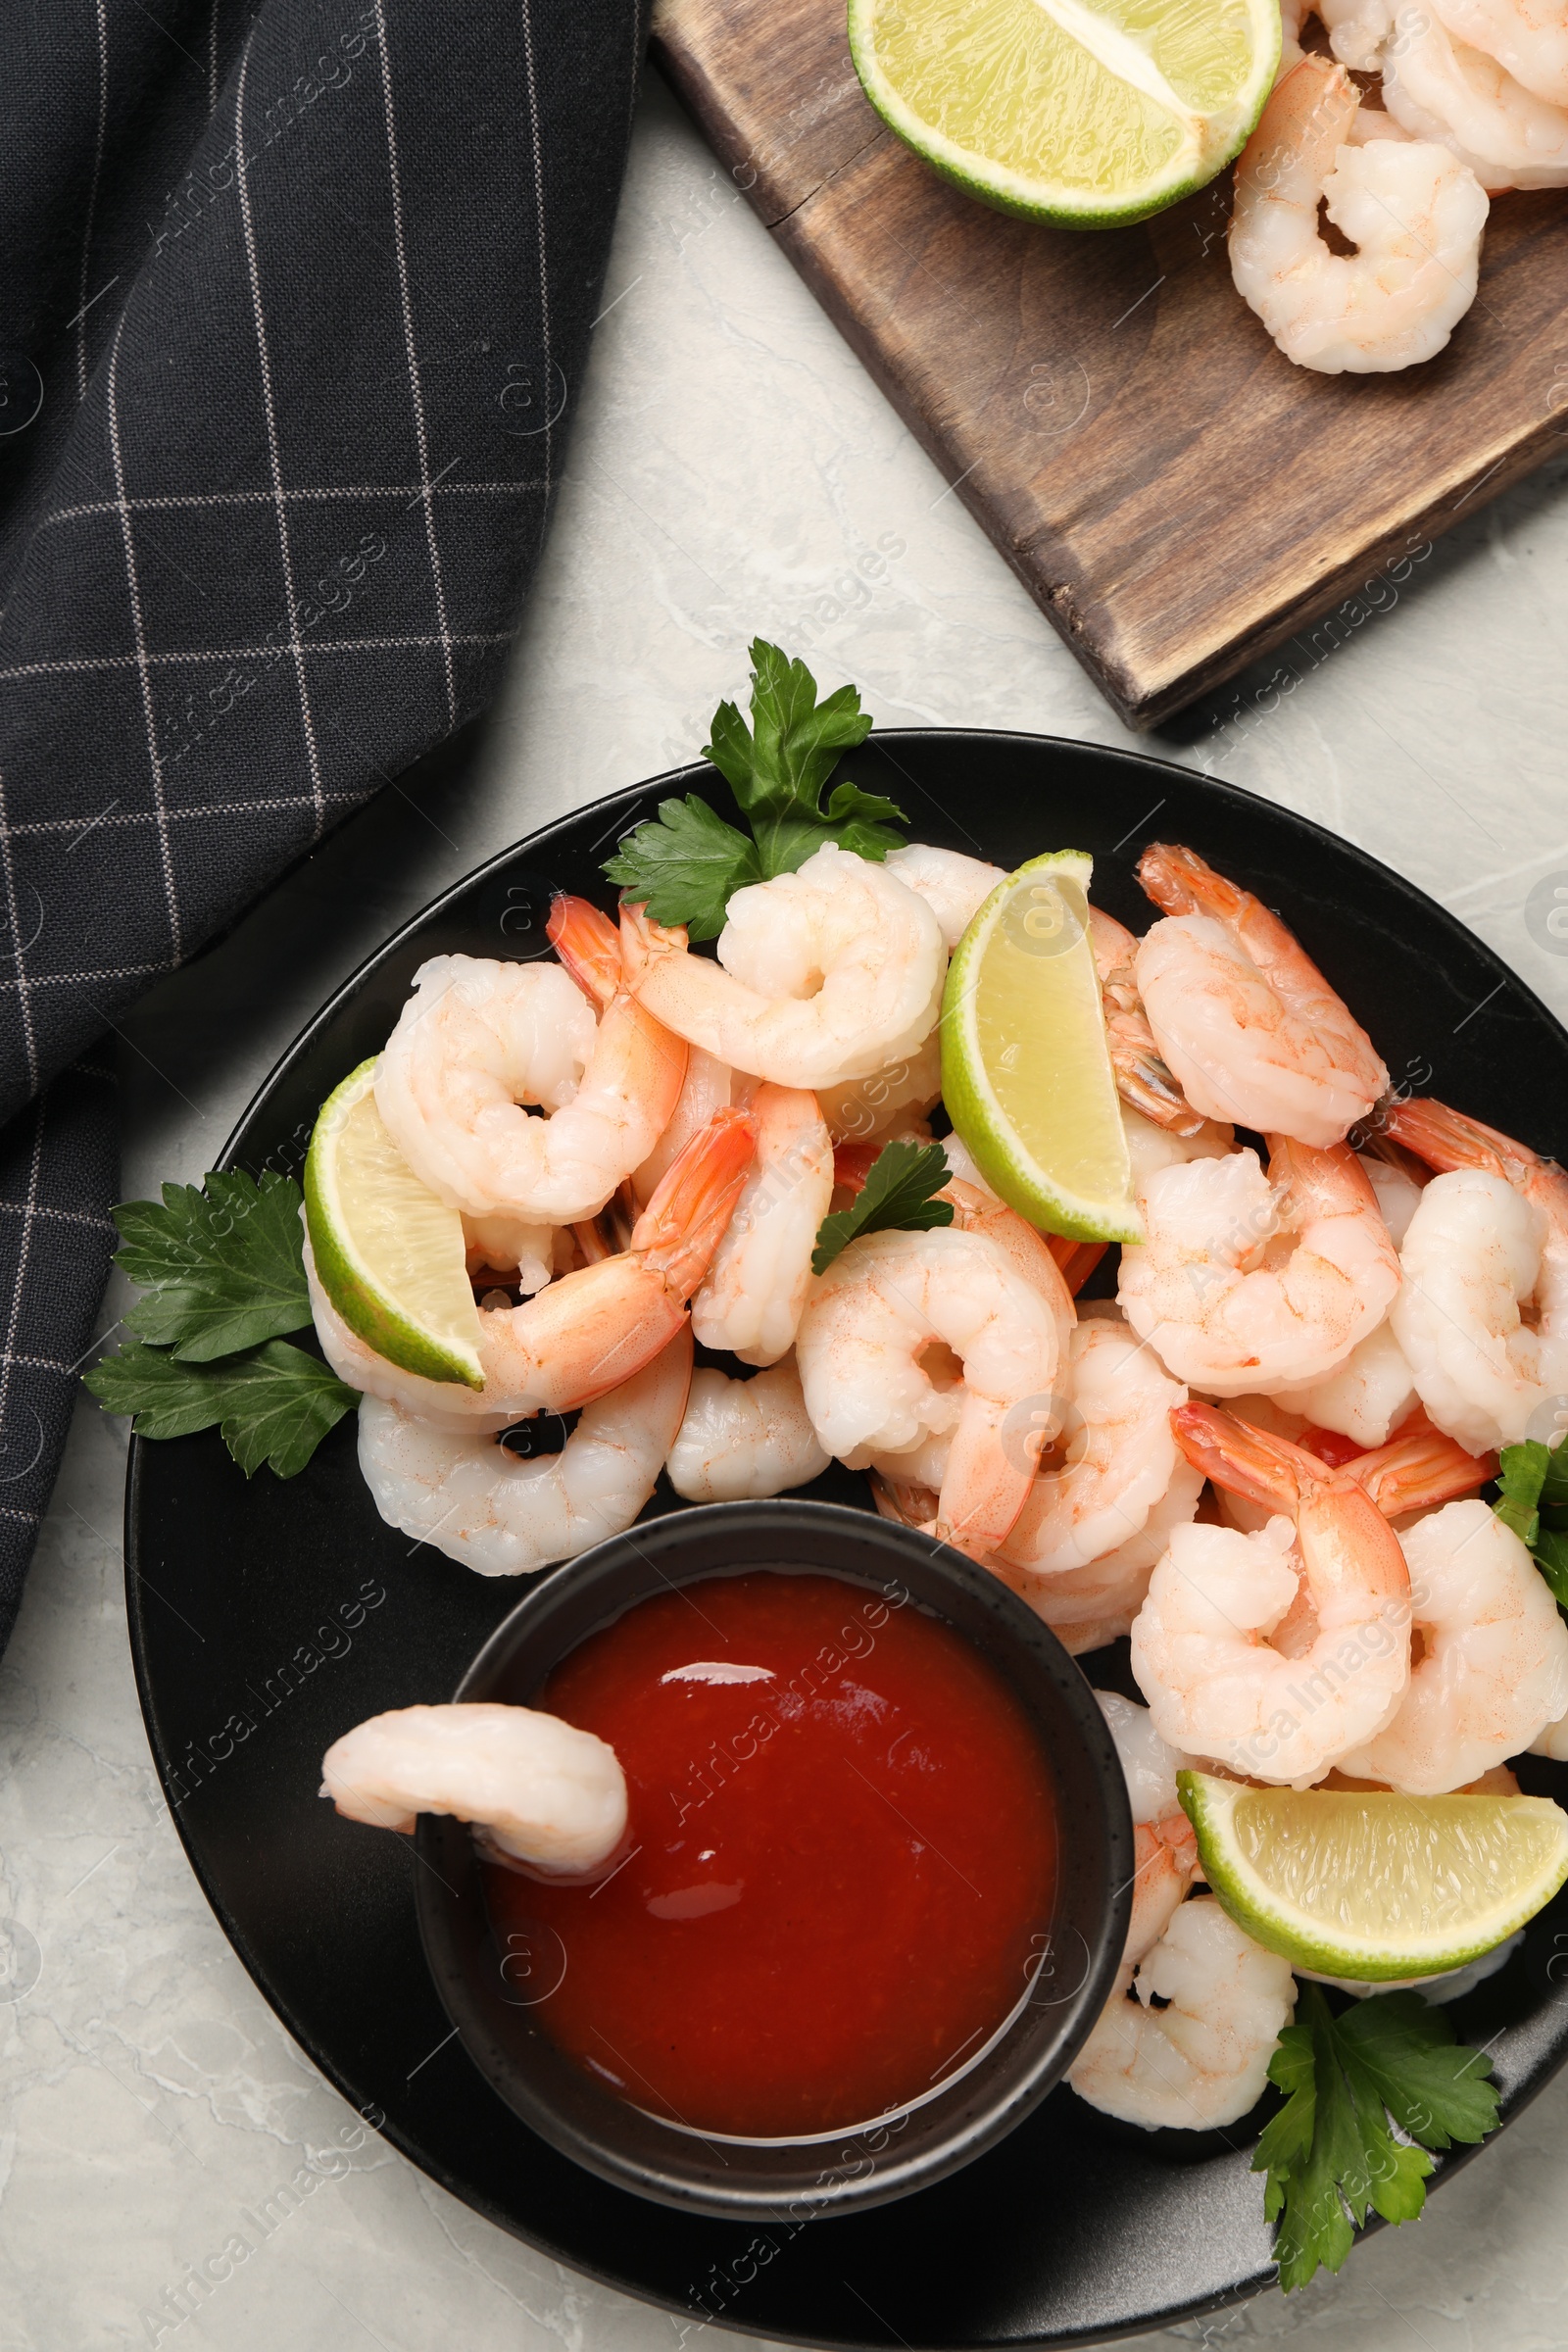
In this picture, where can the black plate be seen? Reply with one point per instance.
(258, 1638)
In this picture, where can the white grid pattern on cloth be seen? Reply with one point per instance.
(9, 1360)
(405, 304)
(242, 180)
(412, 492)
(102, 15)
(171, 896)
(203, 367)
(526, 21)
(144, 816)
(46, 1341)
(29, 1039)
(81, 664)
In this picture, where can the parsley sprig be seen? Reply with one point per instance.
(896, 1198)
(1533, 1502)
(1331, 2154)
(685, 863)
(222, 1269)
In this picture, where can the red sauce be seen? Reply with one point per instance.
(835, 1874)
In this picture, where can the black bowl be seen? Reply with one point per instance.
(498, 2012)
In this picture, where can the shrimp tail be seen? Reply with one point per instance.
(1270, 1471)
(1180, 883)
(1418, 1467)
(684, 1223)
(1076, 1259)
(588, 946)
(1448, 1140)
(906, 1504)
(645, 942)
(1317, 1181)
(1143, 1078)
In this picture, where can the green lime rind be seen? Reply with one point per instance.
(971, 1102)
(360, 1297)
(1491, 1862)
(1039, 199)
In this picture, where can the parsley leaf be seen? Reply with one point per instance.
(895, 1197)
(273, 1405)
(1534, 1501)
(686, 865)
(1330, 2154)
(223, 1267)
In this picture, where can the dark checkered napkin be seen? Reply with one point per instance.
(294, 303)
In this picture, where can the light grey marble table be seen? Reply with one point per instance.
(732, 468)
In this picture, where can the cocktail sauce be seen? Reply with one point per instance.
(841, 1852)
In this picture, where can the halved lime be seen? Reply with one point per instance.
(1090, 116)
(1376, 1885)
(390, 1255)
(1026, 1072)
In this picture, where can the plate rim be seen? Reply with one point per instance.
(695, 775)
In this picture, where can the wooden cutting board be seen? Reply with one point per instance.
(1176, 497)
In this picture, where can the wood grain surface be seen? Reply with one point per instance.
(1175, 495)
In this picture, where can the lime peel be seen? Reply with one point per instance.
(1062, 111)
(389, 1254)
(1376, 1887)
(1026, 1075)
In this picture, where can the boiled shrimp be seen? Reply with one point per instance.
(1164, 1847)
(914, 1334)
(1529, 38)
(478, 1041)
(587, 1331)
(1416, 1470)
(539, 1791)
(955, 887)
(826, 974)
(1440, 88)
(1032, 1256)
(1247, 1022)
(1087, 1607)
(597, 954)
(1202, 2059)
(1485, 79)
(524, 1253)
(744, 1439)
(887, 1101)
(1118, 1455)
(708, 1086)
(1483, 1313)
(1143, 1078)
(1398, 1188)
(471, 1499)
(1366, 1399)
(1200, 1645)
(751, 1297)
(1414, 212)
(1491, 1667)
(1148, 1763)
(1248, 1280)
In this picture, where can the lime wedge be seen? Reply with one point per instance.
(1087, 115)
(390, 1255)
(1376, 1887)
(1026, 1072)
